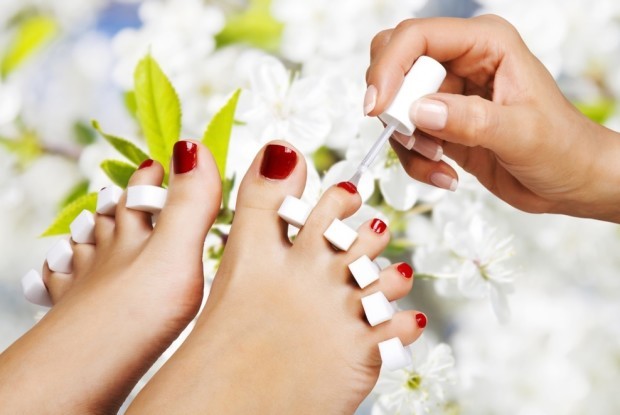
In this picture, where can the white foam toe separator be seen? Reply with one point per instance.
(394, 355)
(340, 235)
(83, 228)
(146, 198)
(107, 199)
(377, 308)
(294, 211)
(364, 270)
(34, 289)
(60, 257)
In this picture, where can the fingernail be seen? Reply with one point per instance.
(429, 114)
(184, 156)
(405, 270)
(428, 148)
(146, 163)
(378, 226)
(405, 140)
(444, 181)
(421, 320)
(348, 186)
(370, 99)
(278, 162)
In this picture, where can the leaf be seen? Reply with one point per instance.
(158, 109)
(255, 26)
(126, 148)
(217, 134)
(32, 33)
(76, 192)
(118, 171)
(598, 111)
(60, 226)
(26, 148)
(129, 99)
(84, 135)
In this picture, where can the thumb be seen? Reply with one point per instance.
(474, 121)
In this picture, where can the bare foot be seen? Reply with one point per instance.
(129, 296)
(283, 330)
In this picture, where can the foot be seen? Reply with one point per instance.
(283, 330)
(130, 294)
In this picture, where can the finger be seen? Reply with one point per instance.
(378, 42)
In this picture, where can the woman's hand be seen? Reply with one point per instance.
(500, 115)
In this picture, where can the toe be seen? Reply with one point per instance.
(277, 171)
(194, 196)
(395, 282)
(83, 257)
(338, 202)
(104, 229)
(373, 237)
(58, 284)
(406, 325)
(131, 223)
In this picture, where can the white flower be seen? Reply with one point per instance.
(420, 388)
(277, 107)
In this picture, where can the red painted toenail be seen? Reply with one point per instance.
(378, 226)
(348, 186)
(146, 163)
(278, 162)
(421, 320)
(405, 270)
(184, 156)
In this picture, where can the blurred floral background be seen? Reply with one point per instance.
(523, 309)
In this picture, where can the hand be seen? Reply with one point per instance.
(500, 115)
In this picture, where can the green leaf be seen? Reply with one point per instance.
(126, 148)
(60, 226)
(255, 26)
(158, 109)
(75, 193)
(129, 98)
(32, 33)
(118, 171)
(598, 111)
(27, 147)
(217, 134)
(84, 135)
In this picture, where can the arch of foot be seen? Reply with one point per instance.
(365, 272)
(59, 257)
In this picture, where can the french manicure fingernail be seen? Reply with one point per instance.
(405, 270)
(428, 148)
(278, 162)
(348, 186)
(405, 140)
(378, 226)
(429, 114)
(444, 181)
(370, 99)
(185, 156)
(421, 320)
(146, 163)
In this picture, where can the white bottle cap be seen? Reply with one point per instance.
(424, 77)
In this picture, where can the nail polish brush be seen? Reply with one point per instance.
(424, 77)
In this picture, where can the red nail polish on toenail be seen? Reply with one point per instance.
(146, 163)
(184, 156)
(405, 270)
(421, 320)
(278, 162)
(348, 186)
(378, 226)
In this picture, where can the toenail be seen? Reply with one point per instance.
(60, 257)
(294, 211)
(278, 162)
(364, 271)
(420, 318)
(34, 289)
(377, 308)
(146, 198)
(107, 199)
(146, 163)
(378, 226)
(394, 355)
(185, 156)
(348, 186)
(340, 235)
(405, 270)
(83, 228)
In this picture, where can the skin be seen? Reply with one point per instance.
(507, 122)
(283, 330)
